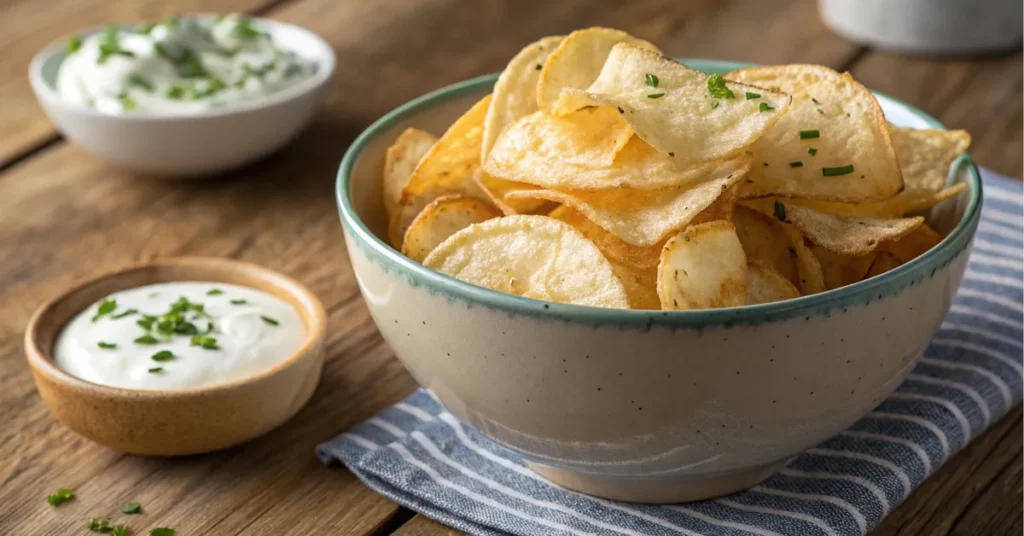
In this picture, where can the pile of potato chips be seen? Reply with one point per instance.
(600, 172)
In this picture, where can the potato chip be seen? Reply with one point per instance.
(913, 245)
(883, 263)
(765, 241)
(853, 158)
(442, 218)
(722, 208)
(765, 285)
(647, 217)
(703, 267)
(672, 108)
(811, 280)
(841, 270)
(497, 190)
(532, 256)
(848, 235)
(577, 62)
(613, 247)
(400, 161)
(515, 92)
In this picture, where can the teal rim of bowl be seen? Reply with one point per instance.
(860, 293)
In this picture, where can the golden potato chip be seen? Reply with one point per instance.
(836, 119)
(613, 247)
(765, 241)
(641, 286)
(841, 270)
(647, 217)
(532, 256)
(672, 108)
(515, 92)
(811, 280)
(442, 218)
(765, 285)
(578, 60)
(913, 245)
(722, 208)
(400, 161)
(497, 190)
(848, 235)
(703, 267)
(883, 263)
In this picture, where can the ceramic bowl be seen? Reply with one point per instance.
(190, 145)
(184, 421)
(651, 406)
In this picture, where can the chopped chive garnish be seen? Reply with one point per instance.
(161, 531)
(809, 134)
(714, 104)
(132, 508)
(269, 320)
(796, 164)
(106, 307)
(63, 495)
(156, 370)
(812, 151)
(73, 45)
(655, 95)
(146, 321)
(764, 107)
(127, 103)
(147, 339)
(99, 525)
(122, 314)
(820, 111)
(814, 100)
(837, 171)
(204, 342)
(214, 292)
(751, 95)
(107, 345)
(140, 81)
(717, 87)
(651, 80)
(538, 67)
(780, 211)
(239, 302)
(163, 355)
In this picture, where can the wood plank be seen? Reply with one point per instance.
(27, 26)
(422, 526)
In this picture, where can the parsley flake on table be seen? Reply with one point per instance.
(99, 525)
(119, 530)
(132, 508)
(161, 531)
(62, 496)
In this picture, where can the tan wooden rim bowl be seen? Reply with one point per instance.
(183, 421)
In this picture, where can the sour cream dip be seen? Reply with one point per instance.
(179, 335)
(183, 66)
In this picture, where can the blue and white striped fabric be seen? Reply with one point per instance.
(421, 457)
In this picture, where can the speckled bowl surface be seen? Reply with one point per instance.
(650, 406)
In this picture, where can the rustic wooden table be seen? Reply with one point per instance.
(65, 215)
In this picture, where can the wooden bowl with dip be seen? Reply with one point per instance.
(204, 408)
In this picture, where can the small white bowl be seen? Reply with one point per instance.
(174, 145)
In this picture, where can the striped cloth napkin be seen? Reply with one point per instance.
(420, 456)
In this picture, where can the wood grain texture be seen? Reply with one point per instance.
(65, 216)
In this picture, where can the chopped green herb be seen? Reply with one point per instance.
(186, 328)
(156, 370)
(814, 100)
(176, 93)
(780, 210)
(655, 95)
(63, 495)
(73, 45)
(112, 49)
(172, 23)
(99, 525)
(538, 67)
(751, 95)
(190, 66)
(269, 320)
(132, 508)
(796, 164)
(147, 339)
(146, 322)
(122, 314)
(245, 29)
(714, 104)
(140, 81)
(107, 345)
(110, 34)
(239, 302)
(717, 87)
(820, 111)
(202, 341)
(106, 307)
(163, 355)
(119, 530)
(214, 292)
(210, 346)
(127, 103)
(809, 134)
(764, 107)
(219, 18)
(161, 531)
(144, 29)
(812, 151)
(837, 171)
(651, 80)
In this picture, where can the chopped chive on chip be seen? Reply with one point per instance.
(764, 107)
(812, 151)
(119, 530)
(655, 95)
(538, 67)
(214, 292)
(814, 100)
(73, 45)
(796, 164)
(63, 495)
(837, 171)
(163, 355)
(147, 339)
(106, 307)
(820, 111)
(107, 345)
(239, 302)
(780, 211)
(132, 508)
(99, 525)
(161, 531)
(717, 87)
(714, 104)
(154, 370)
(269, 320)
(809, 134)
(651, 80)
(122, 314)
(751, 95)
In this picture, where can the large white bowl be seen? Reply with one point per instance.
(652, 406)
(190, 145)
